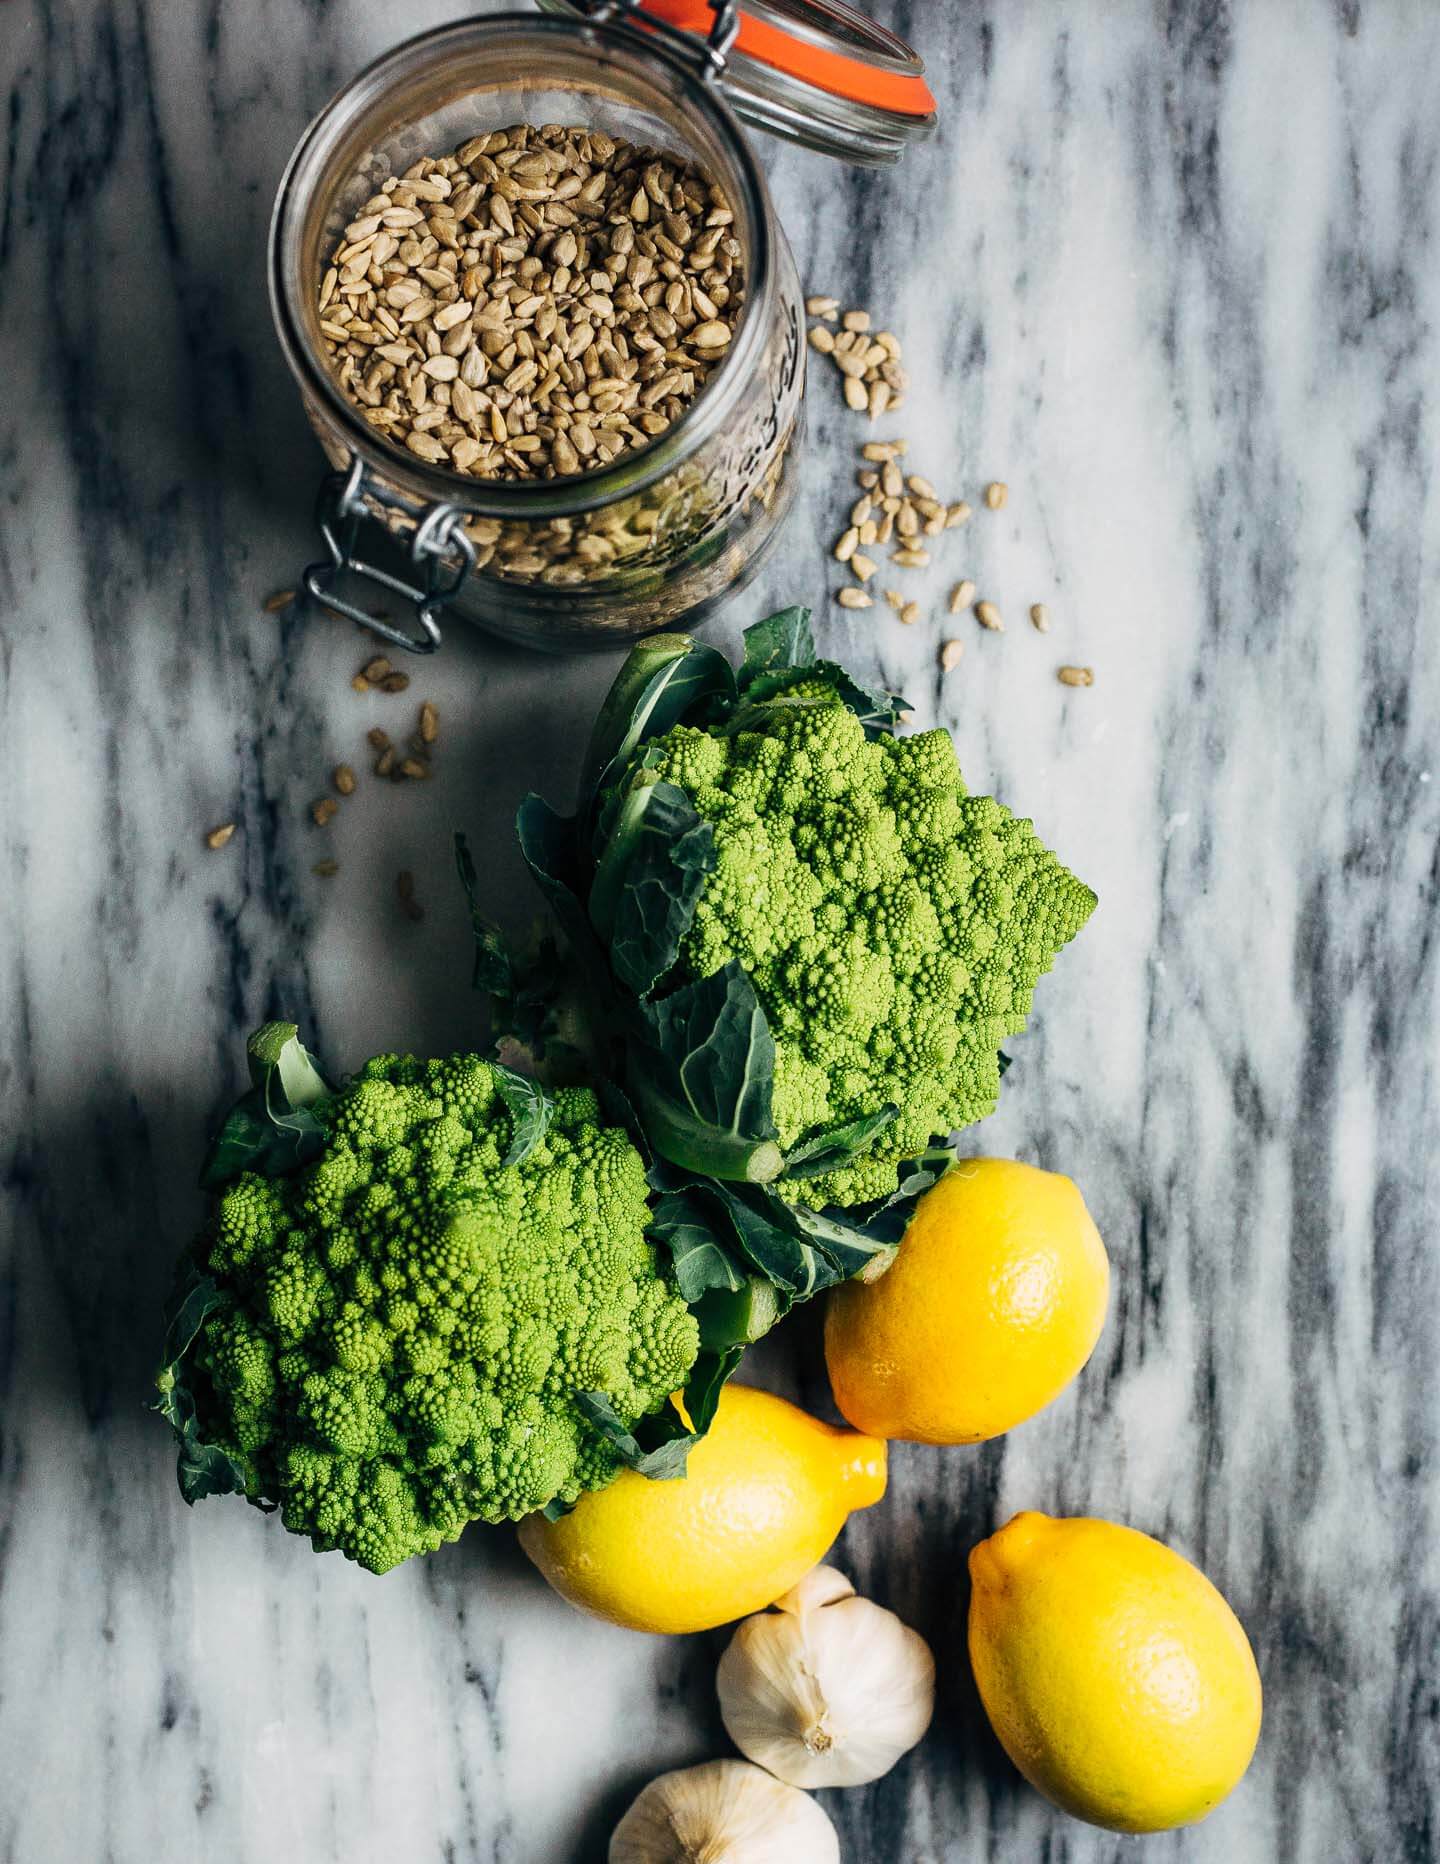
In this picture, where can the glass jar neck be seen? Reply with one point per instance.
(426, 82)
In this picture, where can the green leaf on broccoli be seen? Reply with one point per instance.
(274, 1128)
(662, 683)
(776, 646)
(201, 1468)
(642, 900)
(659, 1446)
(703, 1078)
(530, 1109)
(830, 1150)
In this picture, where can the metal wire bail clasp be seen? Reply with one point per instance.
(439, 538)
(712, 49)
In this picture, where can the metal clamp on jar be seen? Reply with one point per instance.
(662, 531)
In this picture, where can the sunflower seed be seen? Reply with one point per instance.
(219, 837)
(1076, 676)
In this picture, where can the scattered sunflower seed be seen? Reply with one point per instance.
(429, 723)
(323, 809)
(910, 613)
(1076, 676)
(988, 616)
(395, 683)
(961, 596)
(414, 767)
(895, 599)
(847, 545)
(376, 670)
(1040, 617)
(326, 869)
(218, 837)
(874, 380)
(958, 513)
(377, 739)
(385, 762)
(822, 307)
(951, 654)
(910, 559)
(280, 600)
(343, 777)
(360, 684)
(863, 567)
(996, 494)
(854, 598)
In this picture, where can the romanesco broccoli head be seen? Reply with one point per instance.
(406, 1321)
(894, 925)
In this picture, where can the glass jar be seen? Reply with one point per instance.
(664, 531)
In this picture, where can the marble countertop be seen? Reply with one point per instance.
(1174, 274)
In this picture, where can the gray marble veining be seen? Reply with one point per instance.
(1174, 274)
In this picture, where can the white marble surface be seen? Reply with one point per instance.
(1174, 273)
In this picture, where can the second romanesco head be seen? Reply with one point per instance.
(406, 1323)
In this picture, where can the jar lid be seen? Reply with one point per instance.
(814, 71)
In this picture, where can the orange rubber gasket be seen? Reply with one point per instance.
(842, 76)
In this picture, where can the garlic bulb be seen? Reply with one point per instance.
(826, 1689)
(726, 1812)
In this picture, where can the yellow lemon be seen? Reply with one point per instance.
(765, 1493)
(993, 1304)
(1119, 1681)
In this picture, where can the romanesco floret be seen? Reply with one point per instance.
(894, 925)
(406, 1324)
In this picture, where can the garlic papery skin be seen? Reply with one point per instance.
(724, 1812)
(826, 1689)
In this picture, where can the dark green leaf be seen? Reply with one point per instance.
(547, 841)
(702, 1078)
(644, 893)
(659, 1446)
(707, 1379)
(275, 1127)
(738, 1317)
(777, 645)
(695, 1234)
(835, 1148)
(848, 1246)
(201, 1468)
(530, 1109)
(878, 712)
(617, 1110)
(736, 1231)
(662, 681)
(494, 970)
